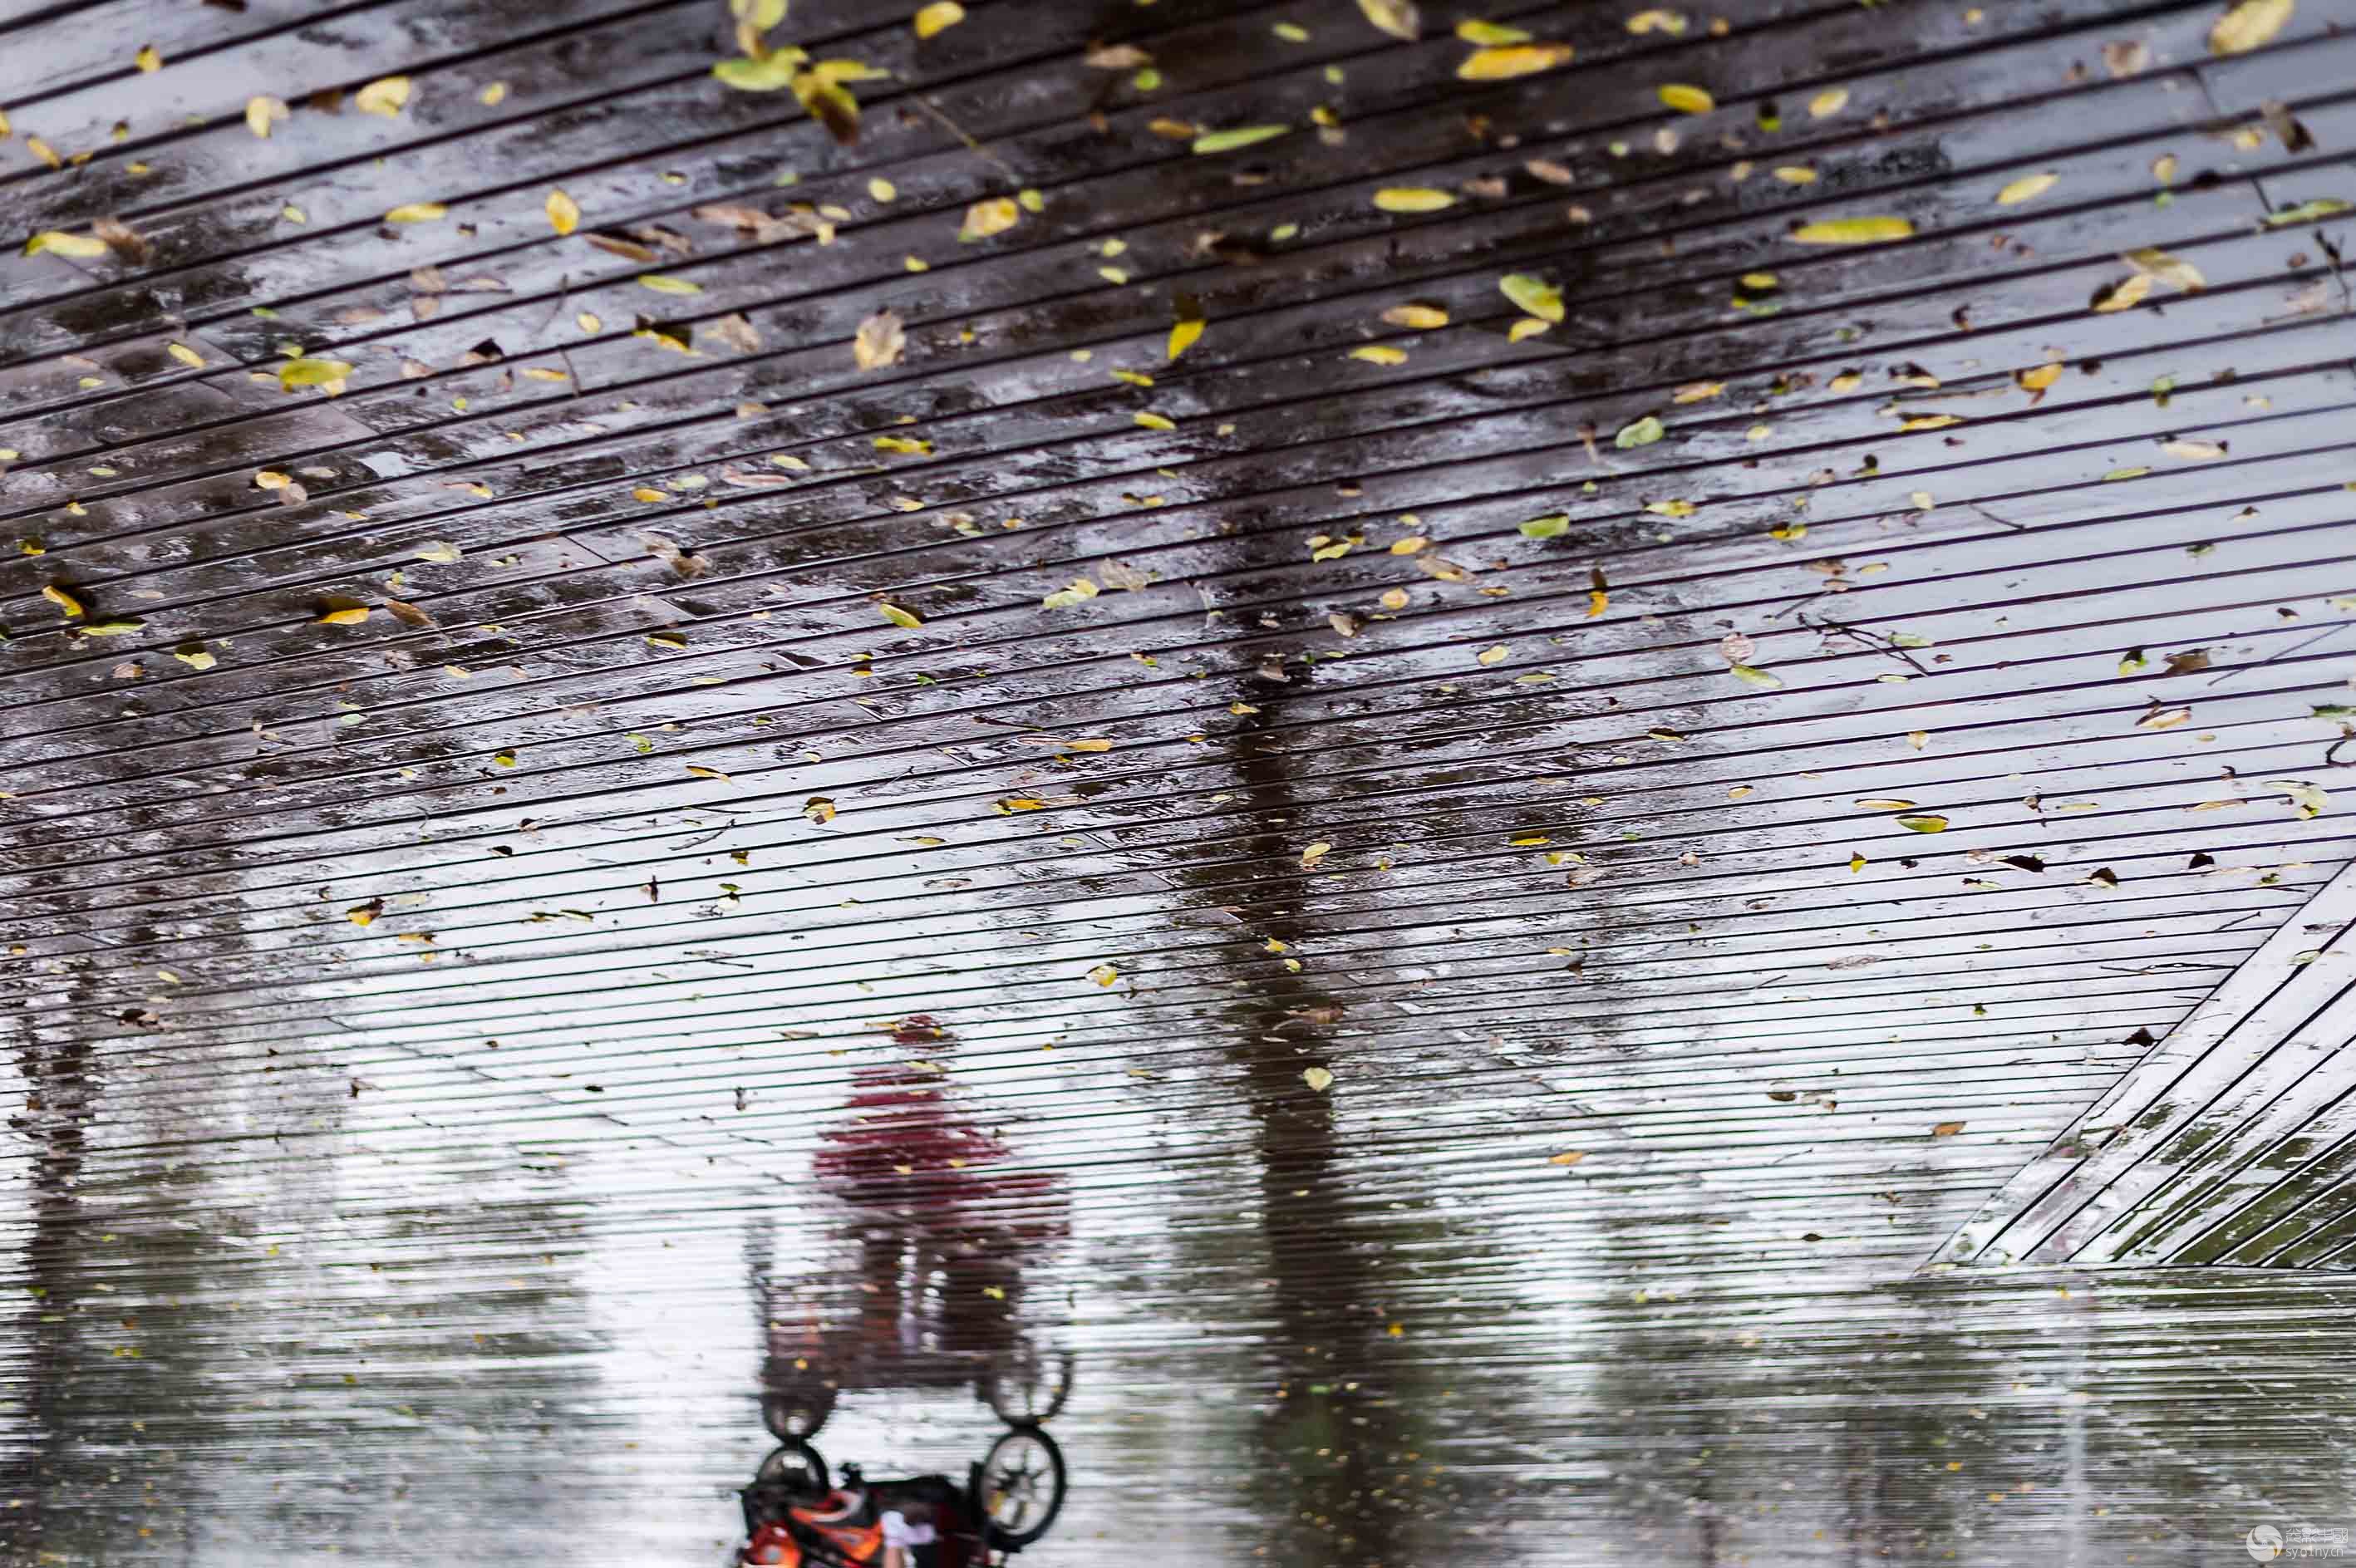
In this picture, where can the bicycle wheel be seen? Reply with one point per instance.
(1029, 1389)
(797, 1467)
(798, 1413)
(1022, 1488)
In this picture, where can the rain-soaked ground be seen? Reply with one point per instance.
(1523, 785)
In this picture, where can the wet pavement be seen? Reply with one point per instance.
(1547, 784)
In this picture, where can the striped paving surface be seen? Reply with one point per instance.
(1476, 778)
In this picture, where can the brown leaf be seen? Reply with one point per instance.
(120, 238)
(628, 250)
(732, 217)
(2288, 130)
(763, 227)
(737, 333)
(2124, 59)
(1947, 1129)
(684, 566)
(408, 615)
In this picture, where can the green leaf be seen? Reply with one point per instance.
(1536, 295)
(1640, 433)
(1553, 526)
(663, 285)
(1924, 824)
(1240, 136)
(762, 75)
(1758, 677)
(109, 628)
(2307, 212)
(312, 373)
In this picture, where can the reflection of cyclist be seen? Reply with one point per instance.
(922, 1174)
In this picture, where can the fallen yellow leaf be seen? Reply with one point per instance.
(387, 95)
(879, 342)
(82, 247)
(938, 18)
(2173, 271)
(995, 216)
(262, 110)
(2027, 188)
(1512, 60)
(1397, 17)
(2248, 24)
(1853, 231)
(2124, 294)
